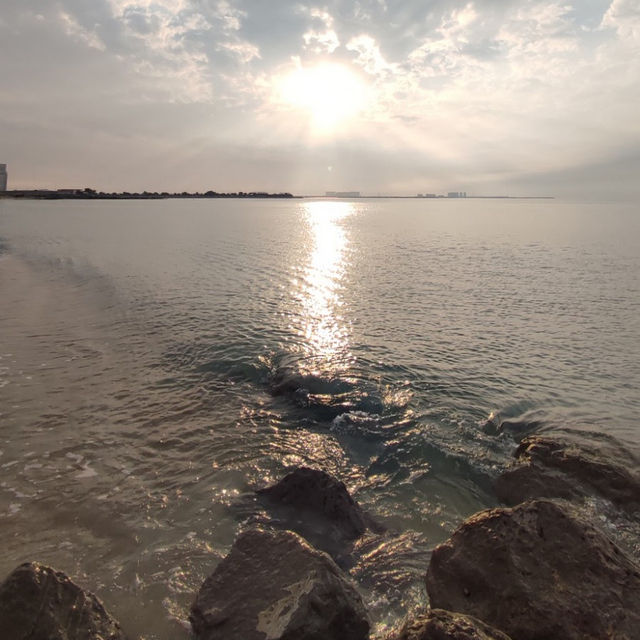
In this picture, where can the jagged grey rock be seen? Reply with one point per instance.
(275, 586)
(39, 603)
(537, 572)
(571, 464)
(437, 624)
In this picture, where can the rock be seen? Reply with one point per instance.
(494, 426)
(274, 586)
(317, 491)
(325, 397)
(285, 382)
(39, 603)
(437, 624)
(571, 464)
(319, 507)
(529, 481)
(536, 572)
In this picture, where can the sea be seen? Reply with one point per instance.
(160, 360)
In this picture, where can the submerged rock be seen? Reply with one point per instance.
(536, 572)
(274, 586)
(572, 464)
(39, 603)
(437, 624)
(495, 426)
(326, 397)
(290, 385)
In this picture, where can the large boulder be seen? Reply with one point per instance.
(537, 573)
(528, 481)
(318, 506)
(437, 624)
(572, 464)
(274, 586)
(39, 603)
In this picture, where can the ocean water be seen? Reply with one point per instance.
(160, 360)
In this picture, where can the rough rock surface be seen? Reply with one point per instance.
(571, 464)
(312, 490)
(528, 481)
(274, 586)
(39, 603)
(537, 573)
(437, 624)
(319, 508)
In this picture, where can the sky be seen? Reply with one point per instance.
(529, 97)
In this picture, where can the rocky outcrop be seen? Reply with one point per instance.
(319, 508)
(314, 492)
(274, 586)
(437, 624)
(536, 572)
(572, 464)
(39, 603)
(528, 481)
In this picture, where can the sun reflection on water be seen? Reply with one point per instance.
(325, 331)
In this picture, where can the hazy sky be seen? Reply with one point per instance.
(382, 96)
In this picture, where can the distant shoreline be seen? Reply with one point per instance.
(90, 194)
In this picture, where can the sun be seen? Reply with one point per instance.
(330, 93)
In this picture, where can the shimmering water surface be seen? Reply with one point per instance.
(160, 360)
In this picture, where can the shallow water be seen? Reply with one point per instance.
(141, 343)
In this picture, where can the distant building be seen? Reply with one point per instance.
(342, 194)
(3, 177)
(457, 194)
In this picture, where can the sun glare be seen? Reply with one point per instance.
(330, 93)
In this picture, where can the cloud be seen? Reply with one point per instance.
(322, 39)
(75, 30)
(478, 88)
(624, 17)
(368, 56)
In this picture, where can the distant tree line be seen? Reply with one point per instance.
(91, 194)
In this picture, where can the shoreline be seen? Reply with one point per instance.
(90, 194)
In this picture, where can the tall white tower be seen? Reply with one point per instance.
(3, 177)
